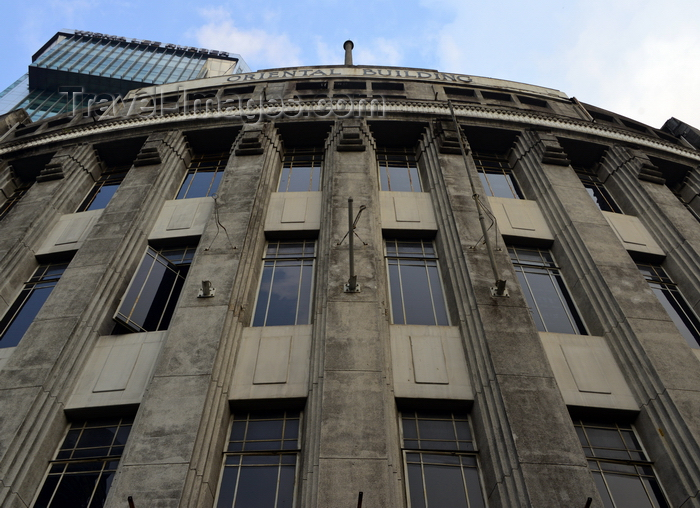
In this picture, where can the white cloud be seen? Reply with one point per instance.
(383, 52)
(640, 62)
(259, 48)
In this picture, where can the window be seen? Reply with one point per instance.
(286, 285)
(621, 470)
(29, 302)
(203, 176)
(414, 284)
(150, 300)
(496, 175)
(597, 190)
(85, 465)
(260, 461)
(441, 464)
(398, 170)
(103, 190)
(545, 292)
(301, 170)
(13, 200)
(671, 298)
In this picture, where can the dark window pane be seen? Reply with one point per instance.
(257, 487)
(227, 489)
(103, 197)
(285, 496)
(75, 490)
(628, 491)
(25, 317)
(444, 486)
(476, 498)
(47, 492)
(415, 482)
(603, 490)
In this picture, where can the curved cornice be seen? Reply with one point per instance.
(327, 108)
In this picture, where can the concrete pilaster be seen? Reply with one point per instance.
(38, 378)
(653, 356)
(524, 434)
(351, 437)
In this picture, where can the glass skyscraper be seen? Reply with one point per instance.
(75, 66)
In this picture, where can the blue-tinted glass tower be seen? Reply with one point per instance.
(75, 66)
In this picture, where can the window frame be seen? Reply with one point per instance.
(501, 167)
(388, 158)
(275, 261)
(139, 282)
(105, 461)
(112, 178)
(229, 454)
(616, 463)
(547, 266)
(396, 288)
(674, 301)
(301, 158)
(41, 279)
(596, 189)
(435, 449)
(201, 164)
(14, 198)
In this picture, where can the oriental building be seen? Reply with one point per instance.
(348, 286)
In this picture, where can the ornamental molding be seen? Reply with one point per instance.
(344, 108)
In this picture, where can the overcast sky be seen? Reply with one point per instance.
(637, 58)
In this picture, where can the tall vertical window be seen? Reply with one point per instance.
(203, 176)
(441, 464)
(301, 170)
(149, 302)
(496, 175)
(398, 170)
(621, 470)
(14, 198)
(545, 292)
(285, 291)
(260, 461)
(103, 190)
(671, 298)
(414, 284)
(29, 302)
(85, 466)
(597, 190)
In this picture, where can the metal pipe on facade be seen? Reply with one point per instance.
(500, 284)
(347, 46)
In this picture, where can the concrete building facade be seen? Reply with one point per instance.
(193, 316)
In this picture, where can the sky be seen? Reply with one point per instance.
(632, 57)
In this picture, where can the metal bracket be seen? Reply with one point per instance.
(500, 289)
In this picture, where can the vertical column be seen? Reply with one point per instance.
(617, 304)
(38, 378)
(528, 449)
(642, 190)
(60, 186)
(351, 430)
(176, 445)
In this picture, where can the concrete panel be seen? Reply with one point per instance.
(289, 211)
(520, 218)
(182, 217)
(272, 362)
(633, 234)
(586, 371)
(118, 370)
(407, 210)
(428, 362)
(272, 365)
(70, 232)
